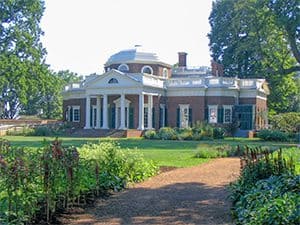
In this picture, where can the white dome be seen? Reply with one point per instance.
(131, 55)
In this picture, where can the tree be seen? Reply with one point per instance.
(259, 38)
(21, 54)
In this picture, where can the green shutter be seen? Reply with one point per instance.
(131, 118)
(220, 115)
(160, 117)
(101, 117)
(190, 117)
(178, 117)
(206, 114)
(153, 117)
(166, 117)
(113, 117)
(91, 116)
(71, 114)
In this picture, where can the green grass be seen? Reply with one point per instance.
(162, 152)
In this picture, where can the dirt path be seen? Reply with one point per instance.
(194, 196)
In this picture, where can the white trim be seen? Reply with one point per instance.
(213, 118)
(123, 65)
(75, 107)
(165, 73)
(147, 67)
(230, 108)
(183, 118)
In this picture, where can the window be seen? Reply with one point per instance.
(123, 68)
(165, 73)
(227, 113)
(145, 115)
(147, 69)
(212, 113)
(184, 116)
(113, 81)
(76, 113)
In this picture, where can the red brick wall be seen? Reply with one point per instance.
(72, 102)
(197, 103)
(219, 100)
(137, 67)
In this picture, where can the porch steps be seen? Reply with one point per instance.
(241, 133)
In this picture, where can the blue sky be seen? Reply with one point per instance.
(80, 35)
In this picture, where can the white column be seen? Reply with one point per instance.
(122, 125)
(88, 113)
(150, 105)
(105, 112)
(141, 112)
(98, 112)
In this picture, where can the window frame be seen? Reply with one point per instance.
(147, 67)
(74, 108)
(226, 107)
(123, 65)
(215, 108)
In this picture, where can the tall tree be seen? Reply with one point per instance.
(21, 53)
(259, 38)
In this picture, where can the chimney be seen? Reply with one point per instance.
(182, 59)
(217, 69)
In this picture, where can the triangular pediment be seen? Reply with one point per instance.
(113, 79)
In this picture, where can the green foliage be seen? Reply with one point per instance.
(274, 200)
(218, 133)
(272, 135)
(267, 190)
(286, 122)
(259, 39)
(208, 152)
(151, 134)
(22, 70)
(56, 177)
(167, 133)
(23, 131)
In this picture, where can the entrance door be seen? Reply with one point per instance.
(94, 116)
(118, 117)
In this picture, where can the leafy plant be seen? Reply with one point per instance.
(272, 135)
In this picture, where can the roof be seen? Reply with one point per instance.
(133, 55)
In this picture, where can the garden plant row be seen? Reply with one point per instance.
(268, 190)
(37, 183)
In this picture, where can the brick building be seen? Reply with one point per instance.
(138, 91)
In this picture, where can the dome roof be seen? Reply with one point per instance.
(131, 55)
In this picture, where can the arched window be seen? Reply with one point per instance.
(147, 69)
(165, 73)
(123, 68)
(113, 81)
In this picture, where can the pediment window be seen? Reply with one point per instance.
(113, 81)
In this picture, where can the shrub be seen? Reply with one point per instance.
(185, 134)
(207, 153)
(167, 133)
(218, 133)
(22, 131)
(42, 131)
(267, 190)
(286, 122)
(272, 135)
(150, 134)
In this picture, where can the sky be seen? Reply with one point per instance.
(80, 35)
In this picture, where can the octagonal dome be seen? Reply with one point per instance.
(132, 55)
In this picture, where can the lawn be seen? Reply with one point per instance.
(162, 152)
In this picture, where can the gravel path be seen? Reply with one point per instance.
(193, 196)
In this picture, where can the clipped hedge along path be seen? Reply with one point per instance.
(194, 195)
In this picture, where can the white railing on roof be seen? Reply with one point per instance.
(207, 82)
(72, 86)
(249, 83)
(153, 81)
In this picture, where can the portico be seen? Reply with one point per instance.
(118, 113)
